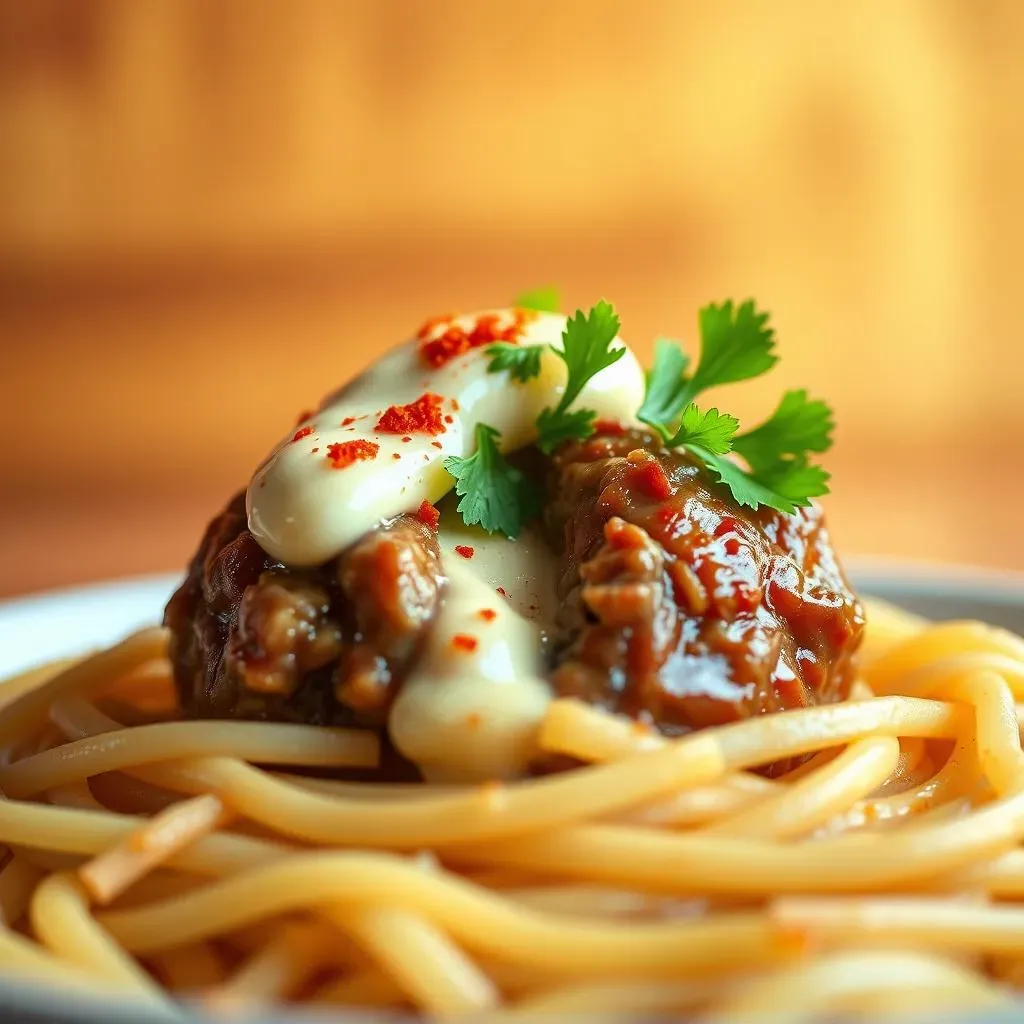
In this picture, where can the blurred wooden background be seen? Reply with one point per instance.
(213, 211)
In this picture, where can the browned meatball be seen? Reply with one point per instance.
(680, 607)
(251, 638)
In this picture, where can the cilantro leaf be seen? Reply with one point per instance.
(798, 425)
(666, 384)
(554, 428)
(586, 348)
(494, 493)
(793, 482)
(708, 429)
(735, 344)
(521, 361)
(586, 351)
(544, 300)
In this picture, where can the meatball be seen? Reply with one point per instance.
(682, 608)
(252, 638)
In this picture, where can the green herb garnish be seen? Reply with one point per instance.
(736, 344)
(543, 300)
(521, 361)
(494, 494)
(586, 351)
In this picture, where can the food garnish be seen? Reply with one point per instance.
(736, 344)
(543, 300)
(493, 493)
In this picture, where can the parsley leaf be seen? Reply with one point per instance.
(793, 482)
(521, 361)
(544, 300)
(665, 384)
(798, 425)
(708, 429)
(735, 344)
(554, 428)
(586, 351)
(494, 494)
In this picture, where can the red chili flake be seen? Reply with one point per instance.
(342, 455)
(501, 590)
(395, 455)
(300, 434)
(487, 614)
(406, 439)
(449, 419)
(652, 479)
(306, 414)
(347, 420)
(437, 444)
(727, 525)
(420, 417)
(431, 325)
(465, 550)
(428, 515)
(455, 341)
(464, 642)
(313, 451)
(612, 427)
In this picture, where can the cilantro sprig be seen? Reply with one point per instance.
(494, 494)
(543, 300)
(521, 361)
(736, 343)
(586, 351)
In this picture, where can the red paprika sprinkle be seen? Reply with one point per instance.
(455, 404)
(428, 515)
(465, 550)
(406, 439)
(341, 456)
(612, 427)
(420, 417)
(501, 590)
(347, 420)
(449, 419)
(300, 434)
(313, 451)
(652, 479)
(437, 444)
(487, 614)
(395, 455)
(431, 325)
(464, 642)
(453, 340)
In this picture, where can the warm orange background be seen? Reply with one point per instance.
(212, 211)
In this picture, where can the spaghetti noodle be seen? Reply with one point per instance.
(168, 859)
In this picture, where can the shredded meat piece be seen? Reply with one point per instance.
(687, 611)
(677, 607)
(251, 638)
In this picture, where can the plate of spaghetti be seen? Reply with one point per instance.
(520, 681)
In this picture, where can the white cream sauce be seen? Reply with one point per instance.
(470, 708)
(304, 512)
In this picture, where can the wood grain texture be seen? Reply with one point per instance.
(212, 212)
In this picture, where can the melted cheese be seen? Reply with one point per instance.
(470, 708)
(304, 512)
